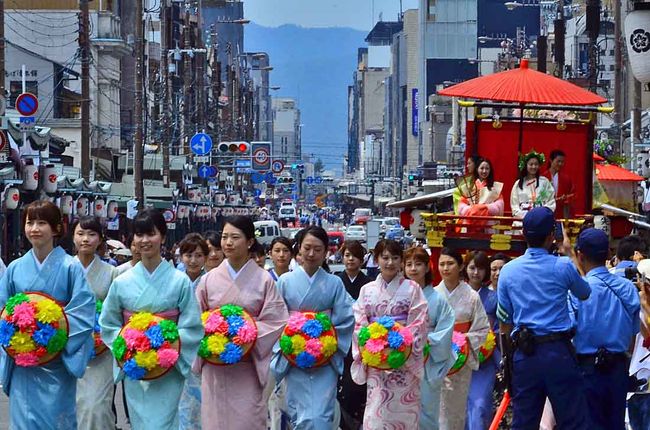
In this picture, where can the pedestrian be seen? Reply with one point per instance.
(471, 326)
(606, 324)
(135, 258)
(43, 395)
(193, 250)
(438, 338)
(153, 286)
(281, 254)
(393, 399)
(311, 392)
(629, 252)
(96, 389)
(532, 300)
(232, 394)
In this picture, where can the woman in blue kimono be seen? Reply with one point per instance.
(44, 397)
(311, 393)
(155, 286)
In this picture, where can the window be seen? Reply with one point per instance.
(16, 89)
(611, 67)
(431, 10)
(611, 52)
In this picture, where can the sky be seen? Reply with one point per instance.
(357, 14)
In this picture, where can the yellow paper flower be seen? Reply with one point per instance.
(371, 359)
(147, 359)
(217, 343)
(329, 345)
(298, 343)
(22, 342)
(204, 316)
(48, 312)
(377, 330)
(141, 320)
(490, 342)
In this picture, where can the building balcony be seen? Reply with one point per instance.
(108, 35)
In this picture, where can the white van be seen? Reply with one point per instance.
(266, 231)
(287, 214)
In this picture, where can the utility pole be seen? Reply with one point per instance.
(165, 31)
(200, 75)
(138, 140)
(593, 28)
(559, 34)
(187, 75)
(84, 49)
(618, 76)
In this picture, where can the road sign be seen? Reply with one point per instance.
(27, 104)
(27, 123)
(201, 144)
(269, 193)
(272, 180)
(169, 215)
(277, 166)
(257, 178)
(213, 171)
(258, 192)
(309, 180)
(201, 159)
(204, 171)
(318, 180)
(261, 156)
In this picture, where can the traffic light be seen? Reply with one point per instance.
(285, 180)
(234, 148)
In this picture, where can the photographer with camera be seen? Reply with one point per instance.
(629, 252)
(606, 324)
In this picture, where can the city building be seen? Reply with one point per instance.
(286, 130)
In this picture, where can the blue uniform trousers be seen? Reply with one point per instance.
(480, 410)
(606, 394)
(638, 409)
(551, 371)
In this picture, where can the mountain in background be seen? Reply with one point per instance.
(315, 66)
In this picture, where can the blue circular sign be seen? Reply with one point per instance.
(201, 144)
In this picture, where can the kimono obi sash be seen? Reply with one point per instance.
(462, 327)
(170, 314)
(400, 318)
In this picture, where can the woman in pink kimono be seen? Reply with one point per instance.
(393, 400)
(472, 321)
(232, 395)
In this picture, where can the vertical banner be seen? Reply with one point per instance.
(415, 119)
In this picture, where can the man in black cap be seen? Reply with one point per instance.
(532, 305)
(606, 326)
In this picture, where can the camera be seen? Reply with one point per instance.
(632, 274)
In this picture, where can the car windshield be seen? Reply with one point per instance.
(286, 211)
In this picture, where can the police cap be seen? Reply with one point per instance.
(539, 222)
(593, 243)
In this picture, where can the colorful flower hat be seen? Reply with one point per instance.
(460, 346)
(230, 333)
(309, 339)
(100, 346)
(385, 344)
(147, 347)
(33, 329)
(486, 350)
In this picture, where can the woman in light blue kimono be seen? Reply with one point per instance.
(311, 393)
(440, 330)
(194, 251)
(155, 286)
(43, 397)
(95, 390)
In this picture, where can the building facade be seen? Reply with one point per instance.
(286, 130)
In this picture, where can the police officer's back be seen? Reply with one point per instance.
(607, 323)
(532, 298)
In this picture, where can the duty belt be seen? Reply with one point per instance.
(552, 337)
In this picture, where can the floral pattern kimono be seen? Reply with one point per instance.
(531, 195)
(393, 399)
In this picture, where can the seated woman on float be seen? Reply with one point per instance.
(487, 199)
(531, 190)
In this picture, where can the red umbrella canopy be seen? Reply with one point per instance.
(523, 85)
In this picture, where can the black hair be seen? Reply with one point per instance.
(282, 240)
(318, 232)
(500, 256)
(89, 223)
(480, 260)
(627, 246)
(490, 179)
(243, 223)
(453, 253)
(45, 211)
(297, 241)
(355, 248)
(213, 238)
(393, 247)
(148, 220)
(536, 241)
(524, 171)
(258, 249)
(477, 160)
(556, 153)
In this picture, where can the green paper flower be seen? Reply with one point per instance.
(16, 299)
(324, 321)
(396, 359)
(228, 310)
(204, 352)
(98, 306)
(427, 349)
(169, 330)
(364, 335)
(119, 348)
(57, 342)
(286, 345)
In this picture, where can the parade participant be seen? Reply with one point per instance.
(629, 252)
(606, 325)
(135, 259)
(497, 262)
(531, 190)
(487, 199)
(232, 394)
(532, 299)
(95, 390)
(466, 184)
(562, 184)
(258, 254)
(439, 332)
(281, 254)
(43, 396)
(216, 255)
(479, 400)
(473, 323)
(352, 396)
(153, 286)
(311, 392)
(194, 251)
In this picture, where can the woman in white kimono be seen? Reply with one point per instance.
(470, 320)
(194, 250)
(439, 332)
(311, 393)
(95, 390)
(531, 189)
(43, 397)
(155, 286)
(232, 395)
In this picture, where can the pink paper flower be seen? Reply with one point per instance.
(216, 324)
(296, 321)
(23, 315)
(315, 348)
(246, 334)
(459, 339)
(28, 359)
(167, 357)
(375, 345)
(133, 338)
(407, 335)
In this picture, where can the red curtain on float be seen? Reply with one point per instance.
(499, 145)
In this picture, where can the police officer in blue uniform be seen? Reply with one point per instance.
(533, 306)
(607, 324)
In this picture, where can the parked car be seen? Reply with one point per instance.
(356, 232)
(386, 224)
(361, 216)
(266, 231)
(395, 233)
